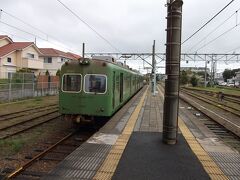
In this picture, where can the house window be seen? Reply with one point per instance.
(30, 55)
(9, 60)
(48, 60)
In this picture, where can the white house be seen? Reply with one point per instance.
(53, 59)
(18, 55)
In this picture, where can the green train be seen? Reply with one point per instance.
(95, 88)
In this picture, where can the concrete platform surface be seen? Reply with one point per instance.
(146, 157)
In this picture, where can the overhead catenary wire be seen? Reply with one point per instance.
(214, 29)
(89, 26)
(33, 27)
(34, 35)
(15, 35)
(208, 21)
(225, 32)
(24, 22)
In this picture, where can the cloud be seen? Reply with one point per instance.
(130, 25)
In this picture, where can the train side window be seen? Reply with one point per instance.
(95, 83)
(71, 82)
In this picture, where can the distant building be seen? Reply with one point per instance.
(54, 59)
(18, 55)
(237, 78)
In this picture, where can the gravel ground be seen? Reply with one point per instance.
(14, 150)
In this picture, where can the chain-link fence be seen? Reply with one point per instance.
(25, 85)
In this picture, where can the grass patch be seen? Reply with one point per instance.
(38, 99)
(12, 146)
(226, 90)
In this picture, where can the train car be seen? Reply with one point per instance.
(95, 88)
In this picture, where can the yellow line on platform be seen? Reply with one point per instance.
(109, 165)
(207, 162)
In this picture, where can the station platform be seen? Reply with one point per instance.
(132, 148)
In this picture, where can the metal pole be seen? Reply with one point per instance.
(22, 84)
(173, 54)
(205, 75)
(211, 71)
(83, 50)
(154, 70)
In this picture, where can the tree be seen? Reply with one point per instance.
(202, 74)
(58, 72)
(194, 81)
(227, 74)
(184, 78)
(47, 73)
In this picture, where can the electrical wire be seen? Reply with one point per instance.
(15, 35)
(225, 32)
(232, 50)
(208, 22)
(14, 27)
(24, 22)
(214, 30)
(90, 27)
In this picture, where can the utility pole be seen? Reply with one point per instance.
(205, 74)
(153, 70)
(83, 50)
(173, 54)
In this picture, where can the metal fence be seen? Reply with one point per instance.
(24, 85)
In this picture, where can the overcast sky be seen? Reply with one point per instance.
(130, 25)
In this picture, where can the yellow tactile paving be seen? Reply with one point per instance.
(109, 166)
(209, 165)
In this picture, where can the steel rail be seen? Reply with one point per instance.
(23, 113)
(232, 127)
(29, 127)
(37, 157)
(25, 121)
(214, 103)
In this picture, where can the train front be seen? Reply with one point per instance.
(84, 91)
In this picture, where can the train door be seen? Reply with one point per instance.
(113, 89)
(121, 87)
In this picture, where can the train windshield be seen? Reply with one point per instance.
(71, 82)
(95, 83)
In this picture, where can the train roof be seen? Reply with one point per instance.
(106, 59)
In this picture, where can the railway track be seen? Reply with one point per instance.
(17, 114)
(224, 128)
(42, 159)
(17, 126)
(227, 97)
(37, 157)
(228, 107)
(227, 119)
(220, 131)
